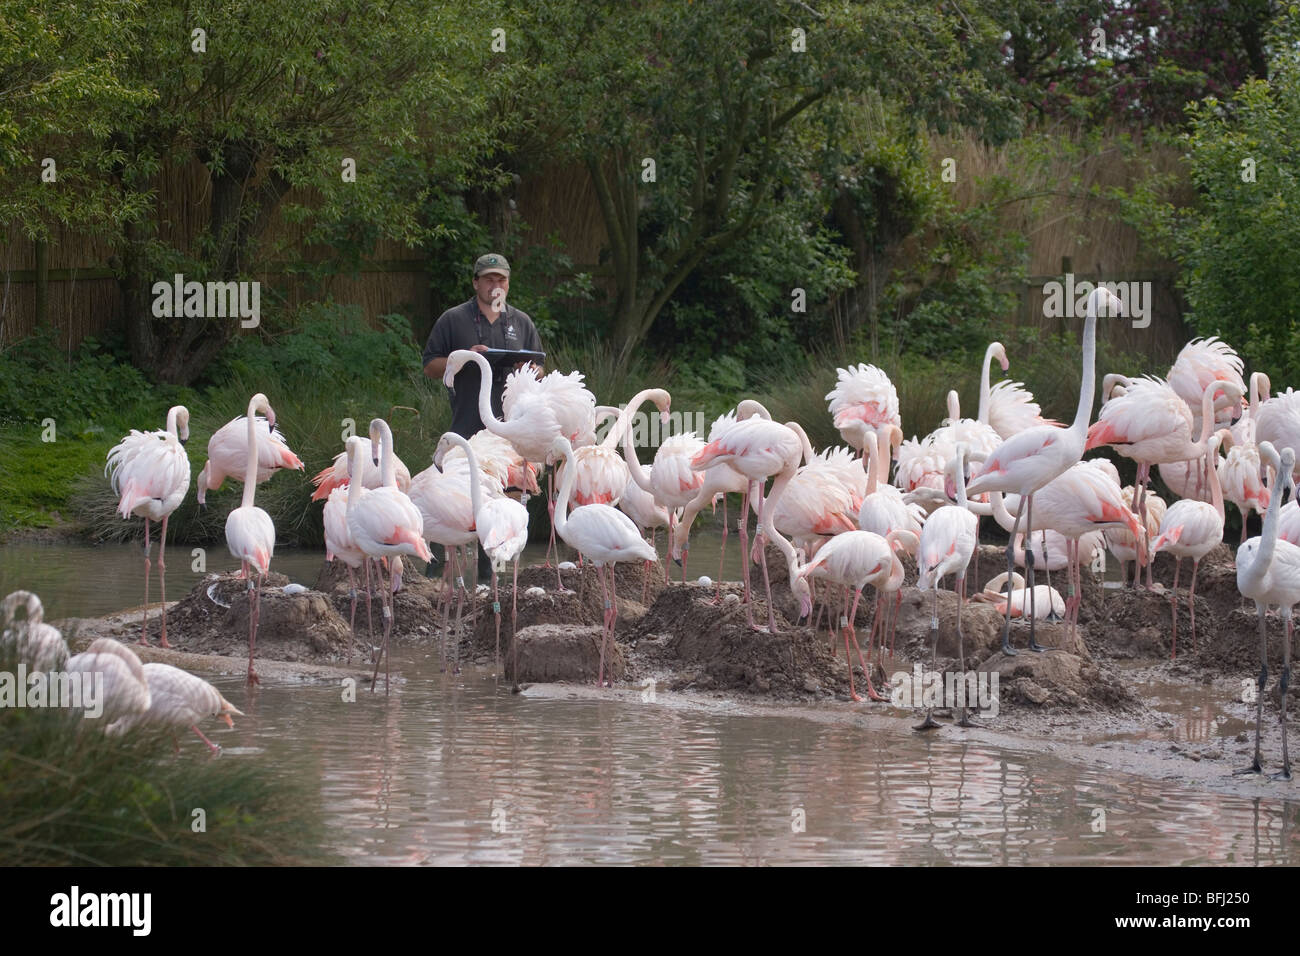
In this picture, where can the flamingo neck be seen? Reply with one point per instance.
(869, 455)
(1268, 534)
(356, 465)
(475, 492)
(490, 421)
(1216, 490)
(387, 470)
(171, 420)
(624, 424)
(250, 467)
(954, 406)
(561, 517)
(984, 383)
(634, 464)
(1087, 386)
(769, 510)
(1207, 413)
(803, 440)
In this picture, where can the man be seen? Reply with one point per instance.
(484, 322)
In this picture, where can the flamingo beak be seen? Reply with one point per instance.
(229, 723)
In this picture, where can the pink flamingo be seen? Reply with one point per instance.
(759, 449)
(250, 533)
(337, 474)
(178, 699)
(1268, 572)
(672, 479)
(1277, 420)
(604, 536)
(1151, 424)
(499, 459)
(855, 559)
(228, 453)
(1239, 475)
(384, 524)
(947, 543)
(1027, 461)
(863, 393)
(502, 528)
(1191, 529)
(151, 473)
(1201, 363)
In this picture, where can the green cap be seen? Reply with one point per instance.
(491, 263)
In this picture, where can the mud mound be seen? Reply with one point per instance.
(709, 646)
(1058, 680)
(981, 627)
(550, 652)
(627, 580)
(414, 606)
(213, 619)
(557, 609)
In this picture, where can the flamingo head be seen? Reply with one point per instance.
(260, 403)
(1000, 353)
(455, 362)
(349, 447)
(1104, 303)
(178, 422)
(561, 447)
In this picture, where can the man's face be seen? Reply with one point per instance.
(491, 288)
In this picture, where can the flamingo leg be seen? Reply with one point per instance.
(211, 746)
(963, 715)
(613, 619)
(550, 544)
(1029, 566)
(460, 607)
(370, 620)
(930, 723)
(1191, 599)
(352, 621)
(144, 624)
(1011, 566)
(744, 554)
(496, 614)
(384, 597)
(600, 672)
(722, 557)
(1286, 683)
(254, 600)
(162, 577)
(514, 618)
(1173, 603)
(852, 630)
(1257, 766)
(893, 621)
(767, 586)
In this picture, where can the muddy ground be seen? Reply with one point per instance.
(1096, 683)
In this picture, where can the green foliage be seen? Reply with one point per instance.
(1235, 242)
(72, 795)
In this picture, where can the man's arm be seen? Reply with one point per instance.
(437, 367)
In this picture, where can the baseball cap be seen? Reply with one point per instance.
(492, 262)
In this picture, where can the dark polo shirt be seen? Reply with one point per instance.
(464, 327)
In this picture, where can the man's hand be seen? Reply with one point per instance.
(478, 348)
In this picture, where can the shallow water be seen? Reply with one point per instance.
(458, 770)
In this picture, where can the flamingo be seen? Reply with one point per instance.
(1017, 598)
(602, 472)
(1191, 529)
(759, 449)
(1150, 424)
(384, 523)
(1008, 407)
(1277, 420)
(532, 422)
(601, 534)
(38, 645)
(947, 543)
(447, 509)
(671, 479)
(337, 474)
(151, 473)
(1030, 459)
(1200, 363)
(499, 459)
(178, 699)
(339, 544)
(863, 393)
(228, 453)
(250, 533)
(502, 528)
(648, 515)
(125, 690)
(855, 559)
(1122, 544)
(1239, 474)
(1268, 572)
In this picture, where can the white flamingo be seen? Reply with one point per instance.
(250, 533)
(125, 690)
(38, 645)
(601, 534)
(228, 455)
(178, 699)
(151, 474)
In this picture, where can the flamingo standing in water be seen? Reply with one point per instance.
(947, 543)
(604, 536)
(1268, 572)
(1030, 459)
(228, 455)
(385, 524)
(151, 473)
(250, 533)
(178, 699)
(1192, 529)
(502, 528)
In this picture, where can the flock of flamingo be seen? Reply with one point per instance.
(834, 515)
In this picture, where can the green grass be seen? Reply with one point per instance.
(69, 795)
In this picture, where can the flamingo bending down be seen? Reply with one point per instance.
(1029, 460)
(1191, 529)
(125, 690)
(250, 533)
(384, 523)
(228, 455)
(1268, 572)
(151, 473)
(855, 559)
(947, 543)
(604, 536)
(178, 699)
(1018, 599)
(502, 528)
(38, 645)
(759, 449)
